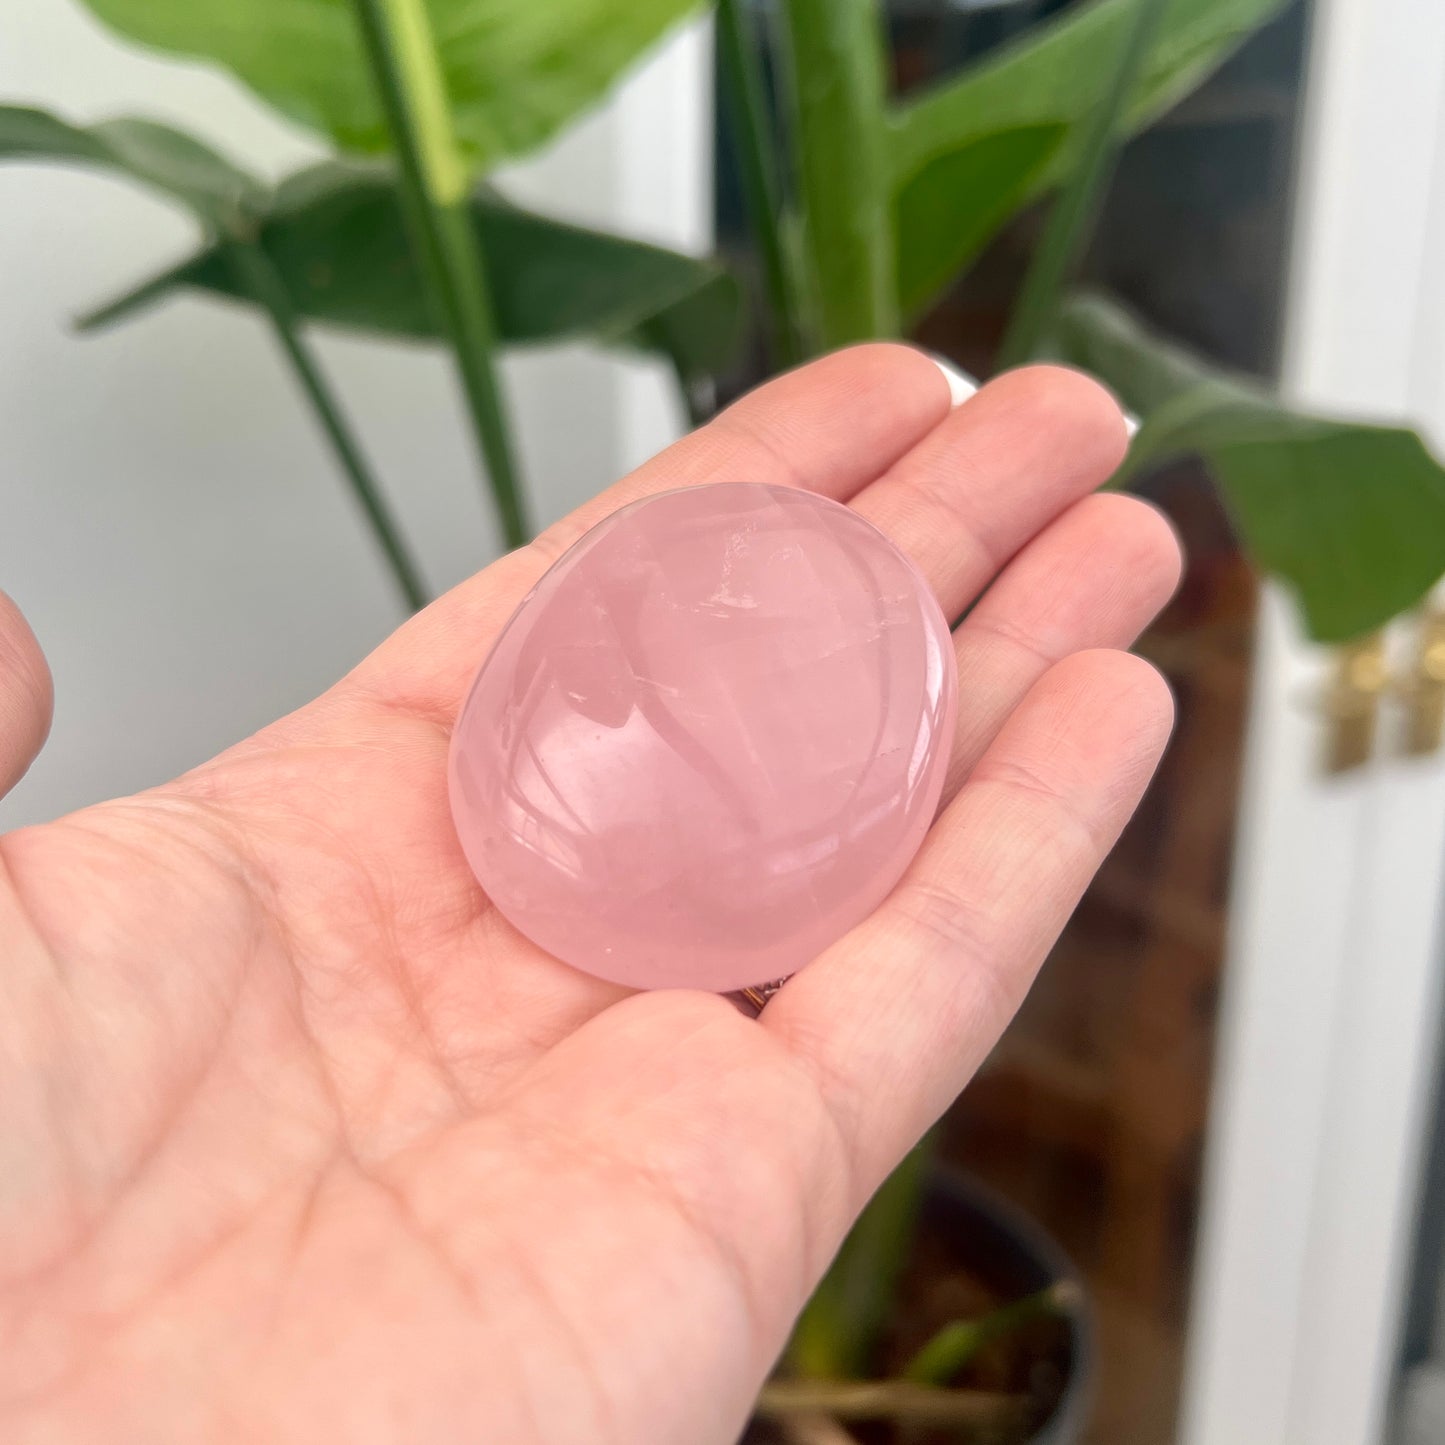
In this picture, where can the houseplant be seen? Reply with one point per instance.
(875, 208)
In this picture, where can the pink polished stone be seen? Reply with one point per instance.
(709, 741)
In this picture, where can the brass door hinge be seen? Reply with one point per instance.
(1351, 703)
(1422, 689)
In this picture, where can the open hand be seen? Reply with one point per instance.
(301, 1141)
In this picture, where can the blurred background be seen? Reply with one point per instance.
(1220, 1111)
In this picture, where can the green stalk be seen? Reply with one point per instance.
(258, 275)
(836, 1333)
(757, 148)
(835, 73)
(958, 1344)
(1072, 219)
(990, 1416)
(412, 88)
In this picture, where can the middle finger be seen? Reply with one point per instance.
(996, 471)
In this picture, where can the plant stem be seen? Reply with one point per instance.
(839, 1326)
(958, 1344)
(407, 69)
(1074, 212)
(886, 1400)
(812, 1430)
(757, 149)
(263, 283)
(835, 74)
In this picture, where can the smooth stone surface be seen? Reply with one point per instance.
(709, 741)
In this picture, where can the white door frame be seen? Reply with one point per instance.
(1329, 1029)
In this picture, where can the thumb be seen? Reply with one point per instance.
(26, 696)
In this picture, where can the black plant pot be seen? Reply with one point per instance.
(966, 1230)
(1009, 1251)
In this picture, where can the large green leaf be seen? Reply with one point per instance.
(699, 332)
(337, 236)
(516, 70)
(937, 234)
(1053, 77)
(1352, 516)
(154, 155)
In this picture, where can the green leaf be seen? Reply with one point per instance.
(1054, 76)
(699, 333)
(937, 236)
(337, 236)
(516, 70)
(157, 156)
(1351, 516)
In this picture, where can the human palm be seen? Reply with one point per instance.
(300, 1140)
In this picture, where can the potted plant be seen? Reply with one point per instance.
(949, 1315)
(871, 208)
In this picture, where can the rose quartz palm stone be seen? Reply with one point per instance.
(709, 741)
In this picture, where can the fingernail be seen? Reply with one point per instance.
(961, 385)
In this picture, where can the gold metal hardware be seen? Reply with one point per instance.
(1423, 689)
(1352, 703)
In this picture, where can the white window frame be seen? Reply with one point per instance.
(1330, 1027)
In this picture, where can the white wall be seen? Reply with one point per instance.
(170, 521)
